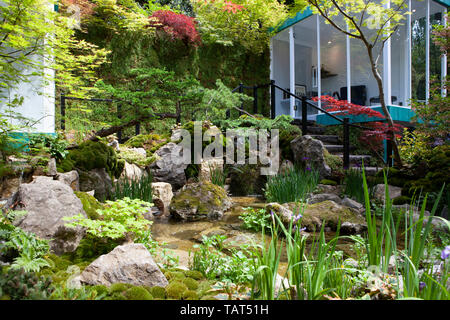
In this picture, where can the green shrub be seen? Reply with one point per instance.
(101, 290)
(119, 219)
(138, 293)
(176, 289)
(255, 219)
(18, 284)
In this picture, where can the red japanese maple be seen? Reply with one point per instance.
(378, 132)
(176, 25)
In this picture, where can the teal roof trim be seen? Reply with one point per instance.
(307, 12)
(301, 15)
(443, 2)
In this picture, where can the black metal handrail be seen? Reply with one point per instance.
(305, 103)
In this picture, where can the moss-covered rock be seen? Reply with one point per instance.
(150, 142)
(194, 274)
(327, 212)
(328, 182)
(92, 155)
(192, 284)
(119, 287)
(401, 200)
(202, 200)
(138, 293)
(90, 204)
(190, 295)
(176, 289)
(157, 292)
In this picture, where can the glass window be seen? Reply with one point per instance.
(333, 60)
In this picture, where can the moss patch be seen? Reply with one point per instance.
(92, 155)
(90, 204)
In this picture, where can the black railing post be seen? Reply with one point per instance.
(272, 99)
(179, 113)
(304, 116)
(119, 115)
(346, 144)
(389, 152)
(137, 128)
(241, 90)
(63, 112)
(255, 99)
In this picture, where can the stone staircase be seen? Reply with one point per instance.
(334, 146)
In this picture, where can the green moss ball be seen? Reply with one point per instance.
(157, 292)
(138, 293)
(176, 289)
(192, 284)
(194, 274)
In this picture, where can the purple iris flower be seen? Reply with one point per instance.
(300, 230)
(438, 142)
(445, 253)
(422, 285)
(305, 158)
(308, 168)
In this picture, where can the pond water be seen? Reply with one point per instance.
(180, 237)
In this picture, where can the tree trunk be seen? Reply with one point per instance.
(384, 107)
(104, 132)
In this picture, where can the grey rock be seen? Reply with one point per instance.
(133, 172)
(169, 167)
(162, 196)
(47, 202)
(51, 168)
(129, 263)
(96, 179)
(348, 228)
(321, 197)
(379, 192)
(353, 204)
(308, 147)
(70, 178)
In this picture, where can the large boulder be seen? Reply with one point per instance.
(201, 200)
(47, 202)
(328, 212)
(169, 167)
(308, 150)
(162, 195)
(129, 263)
(98, 180)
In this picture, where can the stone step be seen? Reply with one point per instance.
(356, 158)
(334, 148)
(329, 139)
(315, 130)
(370, 171)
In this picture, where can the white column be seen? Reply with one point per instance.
(427, 53)
(349, 79)
(292, 70)
(387, 66)
(319, 80)
(444, 62)
(408, 60)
